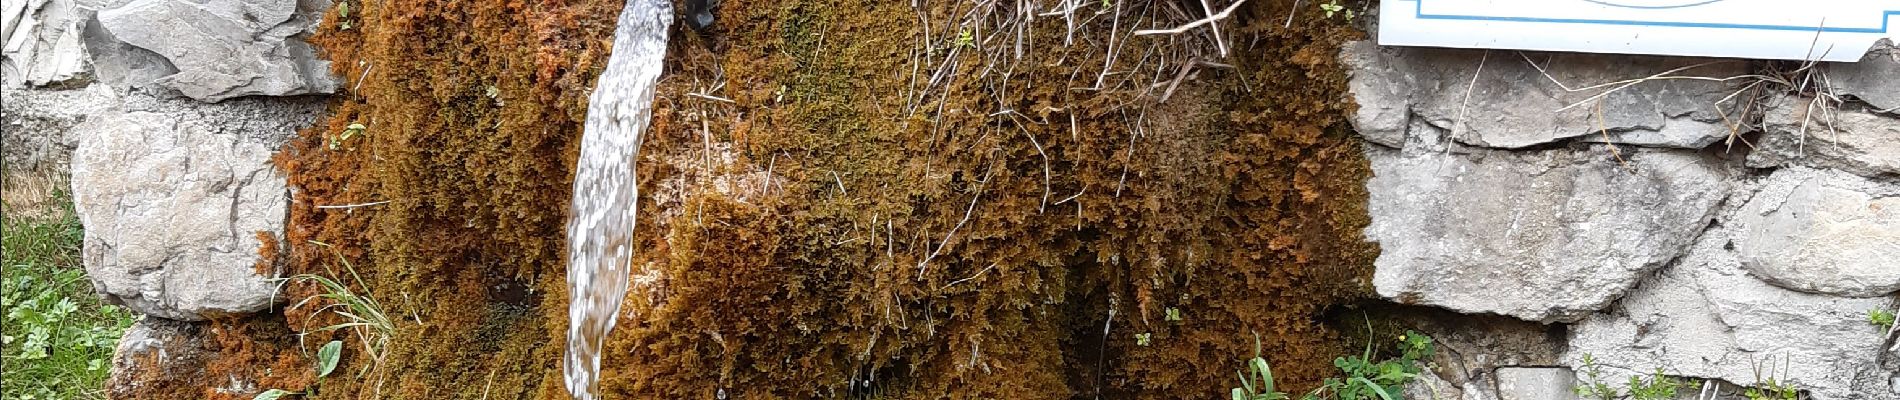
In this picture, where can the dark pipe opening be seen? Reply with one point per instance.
(699, 13)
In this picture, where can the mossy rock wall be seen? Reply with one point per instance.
(847, 198)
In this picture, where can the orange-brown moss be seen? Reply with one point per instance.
(971, 238)
(269, 254)
(1240, 207)
(216, 360)
(471, 237)
(261, 351)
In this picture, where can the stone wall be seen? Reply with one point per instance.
(166, 115)
(1724, 220)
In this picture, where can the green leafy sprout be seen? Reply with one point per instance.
(1332, 7)
(1881, 317)
(1657, 387)
(1259, 385)
(1362, 378)
(343, 15)
(327, 357)
(348, 132)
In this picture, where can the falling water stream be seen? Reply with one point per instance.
(600, 229)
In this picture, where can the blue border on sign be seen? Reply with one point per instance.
(1884, 22)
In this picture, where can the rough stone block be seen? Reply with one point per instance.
(226, 49)
(1874, 80)
(156, 351)
(1705, 317)
(1539, 235)
(1800, 131)
(1536, 384)
(40, 42)
(174, 195)
(1823, 231)
(1505, 100)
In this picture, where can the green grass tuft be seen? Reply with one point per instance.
(58, 336)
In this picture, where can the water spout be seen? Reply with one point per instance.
(600, 228)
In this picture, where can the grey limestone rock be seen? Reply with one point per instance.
(1874, 80)
(40, 42)
(1823, 231)
(1706, 317)
(1800, 131)
(1545, 236)
(1506, 100)
(1519, 383)
(36, 123)
(216, 49)
(174, 195)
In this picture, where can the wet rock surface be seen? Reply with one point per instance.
(1493, 197)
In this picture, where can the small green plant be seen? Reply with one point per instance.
(1655, 386)
(1363, 379)
(56, 335)
(1592, 386)
(1767, 387)
(1258, 385)
(1144, 339)
(348, 132)
(274, 394)
(1383, 380)
(343, 15)
(362, 316)
(1332, 7)
(1881, 318)
(493, 93)
(327, 357)
(1173, 314)
(966, 37)
(1771, 390)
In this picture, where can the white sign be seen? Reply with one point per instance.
(1831, 30)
